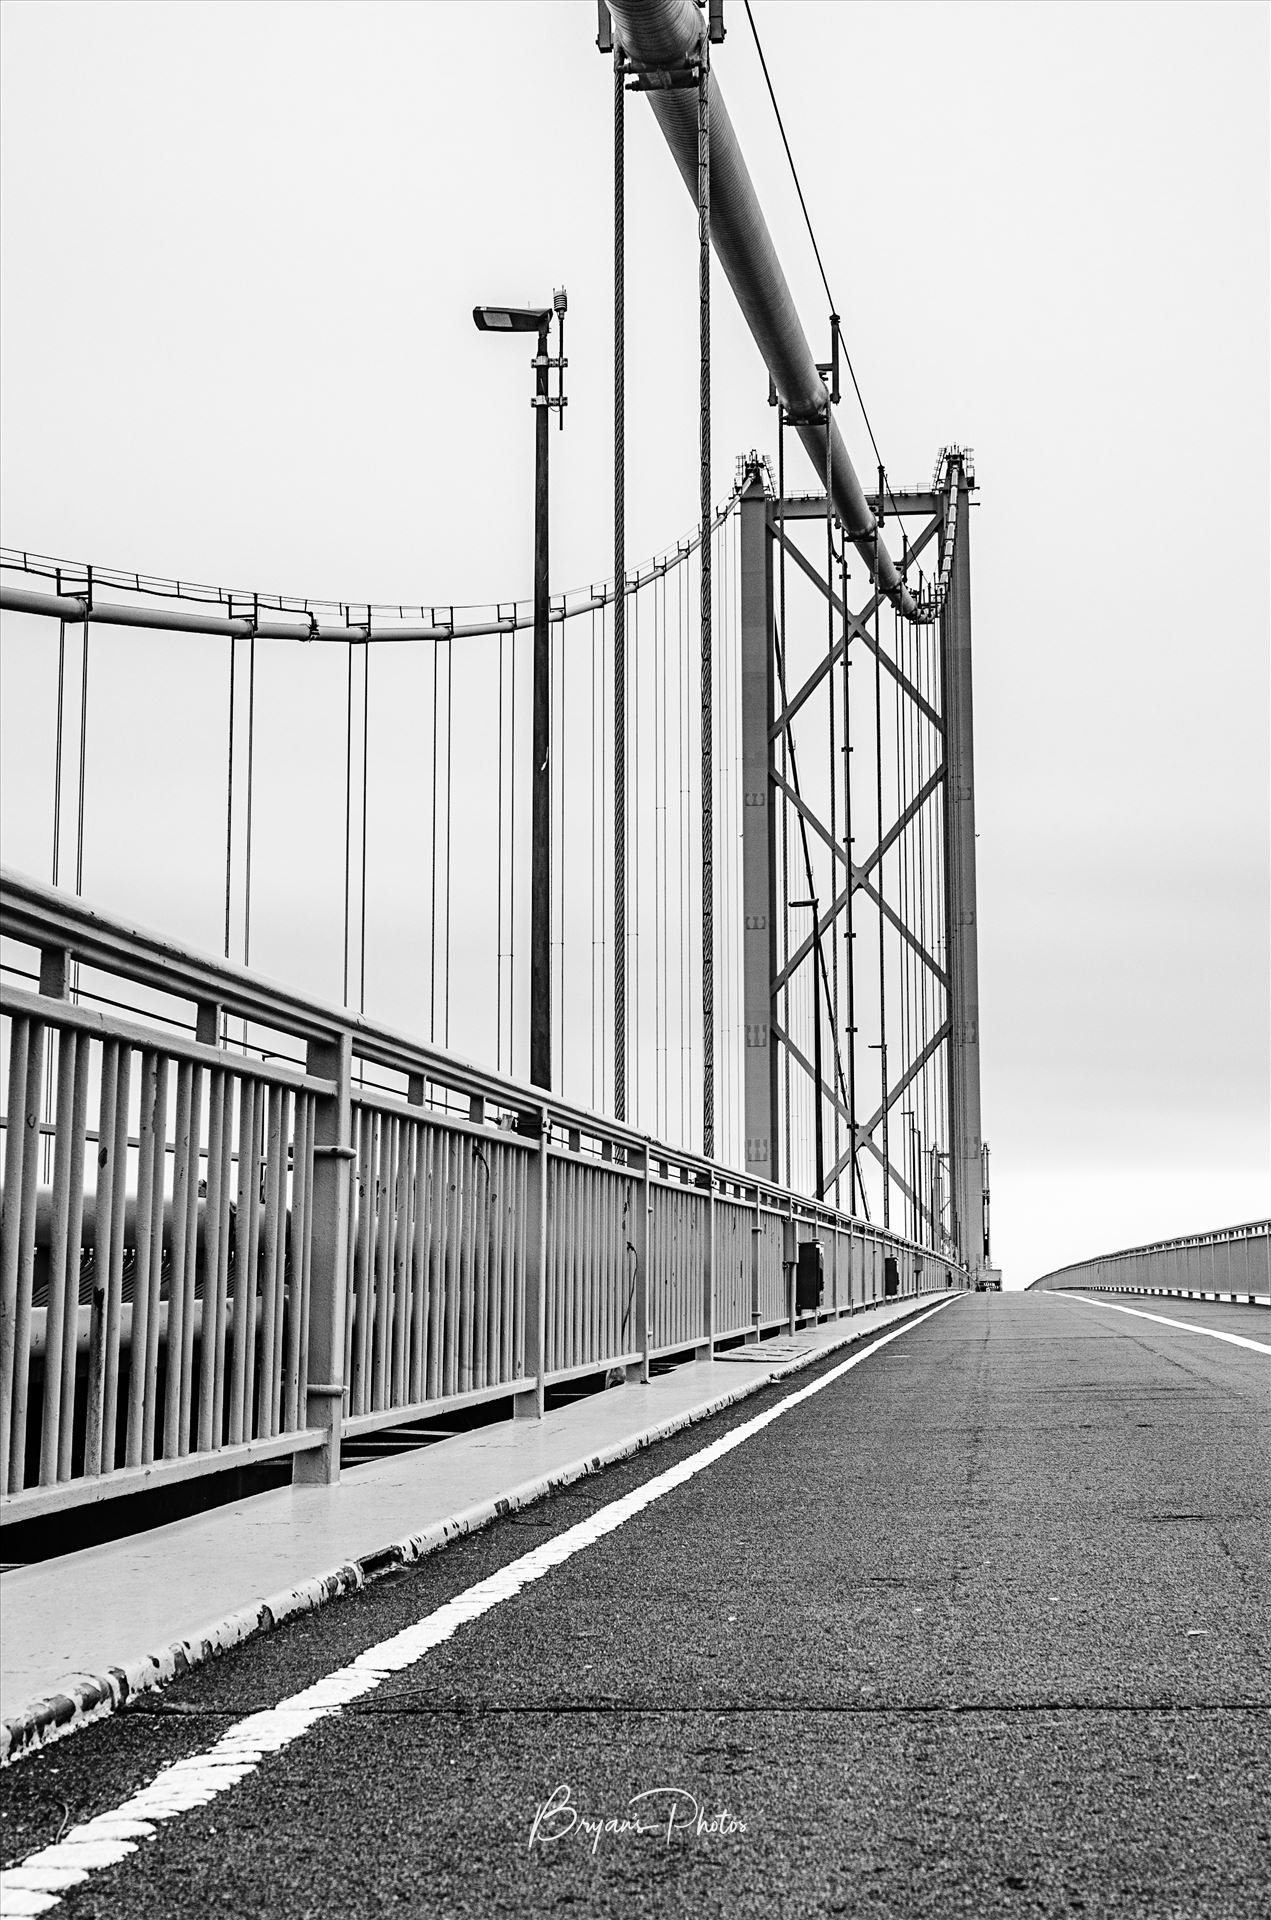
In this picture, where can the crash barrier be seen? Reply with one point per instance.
(240, 1225)
(1229, 1263)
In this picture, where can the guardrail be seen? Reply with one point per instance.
(239, 1225)
(1234, 1262)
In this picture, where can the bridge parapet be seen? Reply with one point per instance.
(240, 1225)
(1232, 1262)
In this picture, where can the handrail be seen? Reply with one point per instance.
(42, 916)
(1248, 1233)
(233, 1246)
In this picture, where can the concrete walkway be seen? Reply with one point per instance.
(86, 1630)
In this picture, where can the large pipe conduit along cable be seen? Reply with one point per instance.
(661, 35)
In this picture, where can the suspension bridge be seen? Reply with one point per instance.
(571, 1032)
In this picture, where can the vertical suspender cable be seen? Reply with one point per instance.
(882, 947)
(619, 603)
(348, 814)
(432, 864)
(251, 758)
(561, 759)
(902, 869)
(498, 895)
(61, 721)
(83, 763)
(786, 747)
(659, 870)
(684, 684)
(511, 857)
(366, 737)
(851, 888)
(47, 1113)
(924, 881)
(637, 1060)
(602, 913)
(708, 717)
(829, 647)
(591, 728)
(83, 749)
(229, 786)
(449, 791)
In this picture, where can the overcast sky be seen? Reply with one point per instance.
(240, 249)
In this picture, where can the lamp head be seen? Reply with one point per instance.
(512, 319)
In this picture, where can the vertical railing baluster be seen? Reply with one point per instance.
(273, 1241)
(75, 1258)
(439, 1213)
(352, 1229)
(242, 1330)
(368, 1200)
(118, 1168)
(420, 1290)
(294, 1267)
(403, 1262)
(184, 1176)
(63, 1287)
(153, 1275)
(15, 1151)
(15, 1324)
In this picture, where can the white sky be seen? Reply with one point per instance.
(240, 248)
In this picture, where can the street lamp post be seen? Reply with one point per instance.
(538, 320)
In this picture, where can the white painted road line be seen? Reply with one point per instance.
(1186, 1326)
(40, 1880)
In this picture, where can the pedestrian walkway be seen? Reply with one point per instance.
(85, 1631)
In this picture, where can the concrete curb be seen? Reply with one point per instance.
(1189, 1293)
(89, 1697)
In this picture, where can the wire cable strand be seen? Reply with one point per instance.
(807, 219)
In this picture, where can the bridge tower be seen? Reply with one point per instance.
(759, 853)
(946, 512)
(970, 1225)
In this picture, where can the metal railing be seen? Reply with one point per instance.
(1234, 1261)
(239, 1225)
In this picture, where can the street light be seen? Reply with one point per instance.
(538, 320)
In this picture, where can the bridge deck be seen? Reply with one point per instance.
(978, 1626)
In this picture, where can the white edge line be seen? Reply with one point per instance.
(39, 1881)
(84, 1698)
(1162, 1320)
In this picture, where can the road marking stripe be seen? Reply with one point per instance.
(1187, 1326)
(39, 1881)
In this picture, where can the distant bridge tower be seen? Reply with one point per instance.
(966, 1143)
(948, 951)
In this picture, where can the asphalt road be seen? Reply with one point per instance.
(981, 1628)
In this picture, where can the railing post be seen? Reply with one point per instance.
(790, 1263)
(530, 1404)
(638, 1165)
(706, 1185)
(756, 1246)
(328, 1278)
